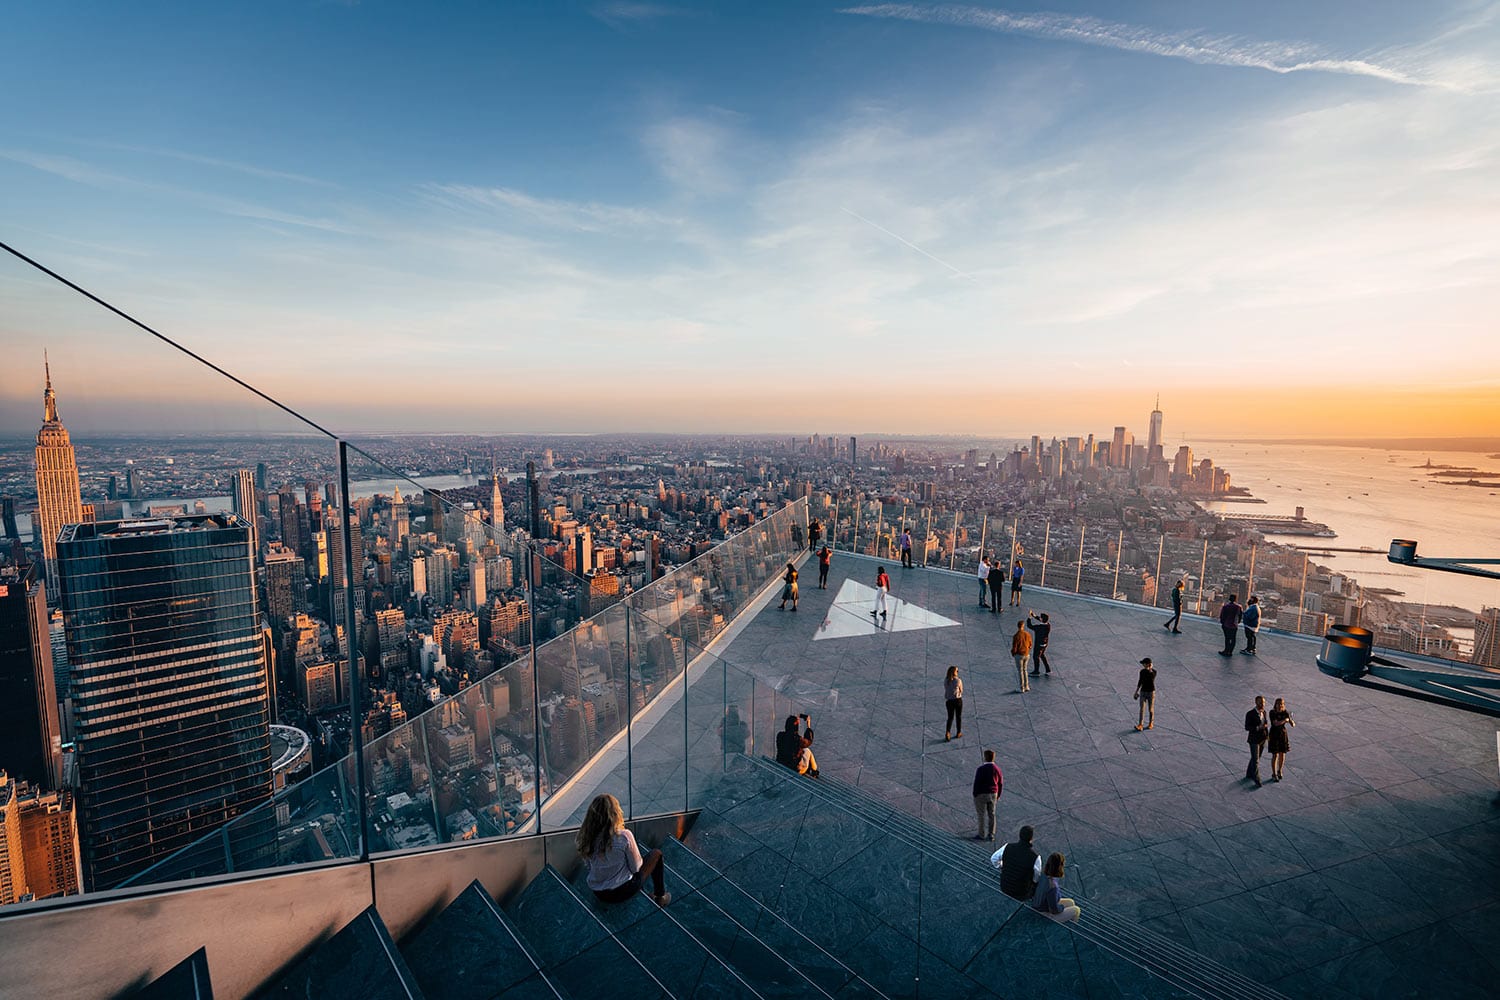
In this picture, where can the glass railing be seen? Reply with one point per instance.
(1302, 585)
(482, 761)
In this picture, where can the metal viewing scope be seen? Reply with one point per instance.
(1348, 651)
(1404, 553)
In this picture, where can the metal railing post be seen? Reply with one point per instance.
(1078, 580)
(1156, 580)
(346, 542)
(1046, 541)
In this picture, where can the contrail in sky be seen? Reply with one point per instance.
(1198, 47)
(906, 242)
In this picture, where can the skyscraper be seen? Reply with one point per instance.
(1153, 437)
(170, 694)
(286, 584)
(58, 501)
(30, 739)
(38, 843)
(1119, 448)
(291, 533)
(1487, 638)
(242, 493)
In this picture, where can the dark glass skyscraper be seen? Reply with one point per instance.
(30, 742)
(170, 693)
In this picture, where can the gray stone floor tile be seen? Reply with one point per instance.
(1159, 822)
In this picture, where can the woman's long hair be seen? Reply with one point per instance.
(603, 821)
(1056, 865)
(952, 673)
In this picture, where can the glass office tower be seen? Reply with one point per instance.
(170, 691)
(30, 738)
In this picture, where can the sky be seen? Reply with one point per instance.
(1282, 217)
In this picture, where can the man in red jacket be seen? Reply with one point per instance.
(987, 784)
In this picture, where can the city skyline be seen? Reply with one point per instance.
(766, 220)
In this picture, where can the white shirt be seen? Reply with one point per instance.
(984, 570)
(615, 865)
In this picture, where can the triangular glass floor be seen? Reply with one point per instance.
(850, 614)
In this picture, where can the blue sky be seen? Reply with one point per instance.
(885, 217)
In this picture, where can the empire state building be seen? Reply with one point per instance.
(58, 501)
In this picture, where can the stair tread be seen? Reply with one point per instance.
(187, 980)
(1113, 949)
(685, 966)
(816, 964)
(574, 949)
(359, 962)
(466, 952)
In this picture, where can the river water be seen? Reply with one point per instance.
(1370, 496)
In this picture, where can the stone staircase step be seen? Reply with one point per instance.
(686, 963)
(811, 959)
(187, 980)
(471, 951)
(576, 950)
(1177, 965)
(360, 962)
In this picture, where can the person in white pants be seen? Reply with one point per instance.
(882, 587)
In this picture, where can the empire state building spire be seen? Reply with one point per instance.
(58, 501)
(49, 398)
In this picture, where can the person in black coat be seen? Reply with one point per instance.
(997, 581)
(1176, 619)
(1257, 729)
(1041, 634)
(794, 749)
(1018, 866)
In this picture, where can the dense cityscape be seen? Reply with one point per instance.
(236, 545)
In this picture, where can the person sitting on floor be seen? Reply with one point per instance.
(1020, 867)
(1049, 898)
(616, 869)
(794, 749)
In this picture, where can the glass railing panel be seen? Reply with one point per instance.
(465, 785)
(658, 733)
(709, 731)
(399, 790)
(147, 449)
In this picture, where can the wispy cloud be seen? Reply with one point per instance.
(1197, 47)
(583, 216)
(623, 13)
(250, 169)
(80, 172)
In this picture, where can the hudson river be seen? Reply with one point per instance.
(1370, 496)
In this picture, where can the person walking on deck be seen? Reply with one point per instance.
(1175, 621)
(1145, 693)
